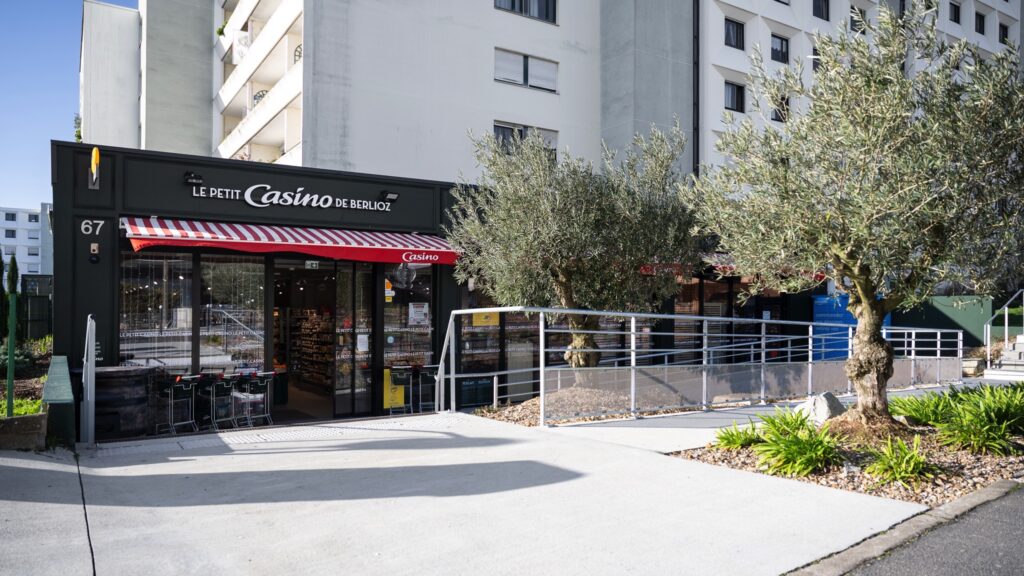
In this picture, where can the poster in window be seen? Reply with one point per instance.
(419, 314)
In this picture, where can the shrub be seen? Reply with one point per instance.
(929, 409)
(972, 427)
(734, 437)
(40, 348)
(792, 446)
(897, 462)
(22, 407)
(22, 361)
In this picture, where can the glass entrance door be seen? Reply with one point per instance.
(353, 384)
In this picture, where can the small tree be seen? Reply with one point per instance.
(12, 275)
(889, 183)
(537, 231)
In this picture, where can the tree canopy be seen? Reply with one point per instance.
(899, 169)
(541, 231)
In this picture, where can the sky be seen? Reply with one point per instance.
(39, 92)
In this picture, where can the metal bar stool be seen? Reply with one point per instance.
(203, 404)
(240, 404)
(182, 390)
(222, 404)
(260, 386)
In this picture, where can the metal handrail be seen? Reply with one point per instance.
(713, 351)
(1005, 310)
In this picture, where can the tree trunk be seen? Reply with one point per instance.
(582, 351)
(870, 365)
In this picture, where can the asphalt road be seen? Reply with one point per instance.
(986, 540)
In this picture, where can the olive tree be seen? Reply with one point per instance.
(898, 170)
(541, 231)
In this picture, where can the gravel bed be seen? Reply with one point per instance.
(959, 472)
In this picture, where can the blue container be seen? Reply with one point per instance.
(836, 341)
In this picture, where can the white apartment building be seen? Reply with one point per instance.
(394, 88)
(784, 31)
(26, 236)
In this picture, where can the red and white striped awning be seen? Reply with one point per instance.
(390, 247)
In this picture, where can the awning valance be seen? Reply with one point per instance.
(390, 247)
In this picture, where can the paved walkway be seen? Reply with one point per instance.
(986, 540)
(438, 494)
(688, 430)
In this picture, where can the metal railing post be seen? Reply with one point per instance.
(810, 360)
(451, 357)
(849, 354)
(764, 398)
(959, 354)
(704, 366)
(913, 357)
(632, 365)
(494, 396)
(542, 364)
(1006, 326)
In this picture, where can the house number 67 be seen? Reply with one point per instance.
(92, 227)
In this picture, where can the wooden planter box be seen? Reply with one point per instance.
(23, 432)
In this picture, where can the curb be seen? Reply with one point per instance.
(846, 560)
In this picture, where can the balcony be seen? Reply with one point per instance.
(274, 121)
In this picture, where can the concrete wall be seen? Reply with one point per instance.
(393, 88)
(109, 75)
(647, 70)
(177, 75)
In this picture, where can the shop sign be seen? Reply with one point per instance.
(264, 196)
(419, 314)
(389, 292)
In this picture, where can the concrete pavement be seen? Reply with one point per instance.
(437, 494)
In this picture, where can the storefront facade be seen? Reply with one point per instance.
(191, 264)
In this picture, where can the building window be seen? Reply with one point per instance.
(33, 250)
(735, 97)
(33, 268)
(1004, 33)
(815, 60)
(780, 49)
(8, 250)
(33, 218)
(297, 54)
(734, 34)
(781, 111)
(954, 12)
(33, 234)
(258, 97)
(525, 70)
(540, 9)
(505, 134)
(11, 216)
(858, 19)
(820, 9)
(10, 233)
(979, 22)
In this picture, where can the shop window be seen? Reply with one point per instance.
(156, 310)
(231, 324)
(408, 315)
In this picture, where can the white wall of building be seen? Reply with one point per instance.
(394, 87)
(31, 244)
(109, 75)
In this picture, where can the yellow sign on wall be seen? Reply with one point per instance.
(485, 319)
(394, 396)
